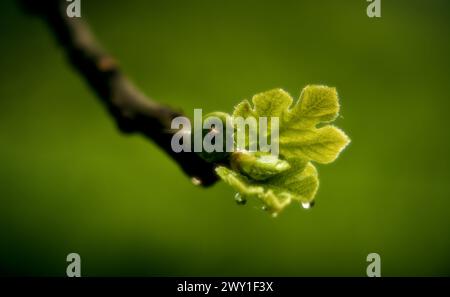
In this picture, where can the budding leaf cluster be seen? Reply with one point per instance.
(305, 137)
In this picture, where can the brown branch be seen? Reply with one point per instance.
(131, 109)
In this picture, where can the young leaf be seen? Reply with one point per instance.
(298, 135)
(322, 145)
(299, 183)
(319, 103)
(290, 177)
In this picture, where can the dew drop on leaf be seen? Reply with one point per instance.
(196, 181)
(239, 199)
(307, 205)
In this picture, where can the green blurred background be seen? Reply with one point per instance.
(69, 182)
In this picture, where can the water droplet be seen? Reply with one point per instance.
(196, 181)
(239, 199)
(264, 207)
(275, 214)
(306, 205)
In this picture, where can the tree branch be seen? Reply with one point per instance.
(131, 109)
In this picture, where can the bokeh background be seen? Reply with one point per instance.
(69, 182)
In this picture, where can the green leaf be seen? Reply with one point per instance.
(273, 103)
(244, 110)
(299, 183)
(301, 180)
(322, 145)
(305, 136)
(299, 136)
(318, 103)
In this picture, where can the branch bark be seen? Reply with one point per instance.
(131, 109)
